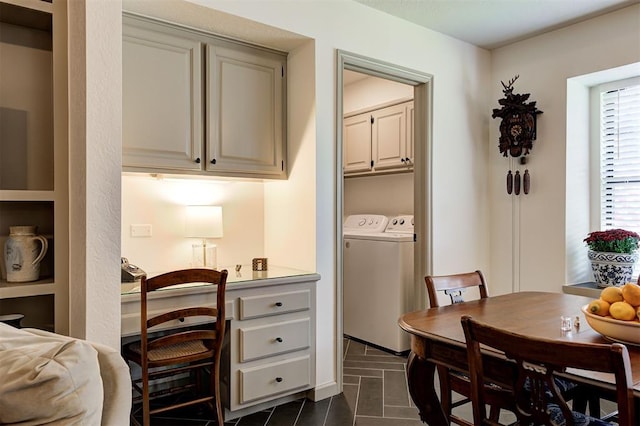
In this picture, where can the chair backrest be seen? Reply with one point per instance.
(211, 337)
(535, 362)
(454, 286)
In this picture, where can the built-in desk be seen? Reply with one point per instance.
(271, 351)
(588, 289)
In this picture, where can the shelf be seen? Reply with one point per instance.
(34, 14)
(33, 288)
(26, 195)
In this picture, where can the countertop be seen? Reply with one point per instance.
(243, 278)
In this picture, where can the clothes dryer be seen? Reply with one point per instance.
(378, 281)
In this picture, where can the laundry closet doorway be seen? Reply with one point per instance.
(390, 190)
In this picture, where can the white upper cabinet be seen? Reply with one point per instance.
(194, 103)
(245, 118)
(357, 143)
(379, 140)
(409, 146)
(162, 101)
(388, 137)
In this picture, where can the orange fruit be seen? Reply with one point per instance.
(631, 293)
(611, 294)
(622, 311)
(599, 307)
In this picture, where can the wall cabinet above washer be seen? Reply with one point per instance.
(197, 104)
(379, 140)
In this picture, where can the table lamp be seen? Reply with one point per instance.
(204, 222)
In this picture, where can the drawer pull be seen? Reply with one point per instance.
(181, 319)
(278, 379)
(279, 339)
(278, 304)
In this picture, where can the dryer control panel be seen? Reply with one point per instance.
(369, 223)
(402, 224)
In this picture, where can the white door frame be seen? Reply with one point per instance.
(422, 169)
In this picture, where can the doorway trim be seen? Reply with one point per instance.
(422, 173)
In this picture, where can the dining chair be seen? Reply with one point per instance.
(536, 362)
(455, 286)
(177, 353)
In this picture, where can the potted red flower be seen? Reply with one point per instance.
(613, 254)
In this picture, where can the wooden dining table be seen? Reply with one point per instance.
(437, 338)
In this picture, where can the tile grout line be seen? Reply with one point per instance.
(355, 408)
(304, 400)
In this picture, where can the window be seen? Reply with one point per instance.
(619, 111)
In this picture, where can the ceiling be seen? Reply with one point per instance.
(493, 23)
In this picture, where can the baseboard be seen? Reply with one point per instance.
(324, 391)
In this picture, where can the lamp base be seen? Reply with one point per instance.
(204, 256)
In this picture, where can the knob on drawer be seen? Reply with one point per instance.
(279, 339)
(278, 379)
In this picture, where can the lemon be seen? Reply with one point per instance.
(599, 307)
(622, 311)
(611, 294)
(631, 293)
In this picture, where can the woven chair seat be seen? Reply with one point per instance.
(173, 351)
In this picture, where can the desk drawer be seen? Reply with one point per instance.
(272, 339)
(274, 378)
(274, 304)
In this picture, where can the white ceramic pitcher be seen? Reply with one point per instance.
(22, 255)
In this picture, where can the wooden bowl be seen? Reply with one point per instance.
(613, 329)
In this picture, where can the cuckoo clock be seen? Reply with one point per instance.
(517, 132)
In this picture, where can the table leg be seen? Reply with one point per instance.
(421, 381)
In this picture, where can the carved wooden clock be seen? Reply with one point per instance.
(517, 131)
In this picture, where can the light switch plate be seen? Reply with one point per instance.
(144, 230)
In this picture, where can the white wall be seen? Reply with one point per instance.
(161, 204)
(459, 134)
(390, 195)
(371, 92)
(460, 128)
(536, 224)
(95, 162)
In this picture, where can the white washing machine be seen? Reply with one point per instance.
(378, 283)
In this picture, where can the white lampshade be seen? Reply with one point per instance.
(203, 222)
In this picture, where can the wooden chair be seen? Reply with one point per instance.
(177, 351)
(450, 380)
(536, 363)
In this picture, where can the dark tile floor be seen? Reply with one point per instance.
(375, 394)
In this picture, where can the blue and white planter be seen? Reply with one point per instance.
(612, 269)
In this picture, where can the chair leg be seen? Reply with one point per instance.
(594, 405)
(146, 406)
(218, 404)
(445, 390)
(494, 413)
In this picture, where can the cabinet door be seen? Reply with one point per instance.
(161, 100)
(356, 143)
(388, 137)
(245, 119)
(409, 144)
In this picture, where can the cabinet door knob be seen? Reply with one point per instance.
(278, 304)
(278, 379)
(279, 339)
(213, 161)
(198, 160)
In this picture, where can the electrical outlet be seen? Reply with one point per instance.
(141, 230)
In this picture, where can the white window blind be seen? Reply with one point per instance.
(620, 158)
